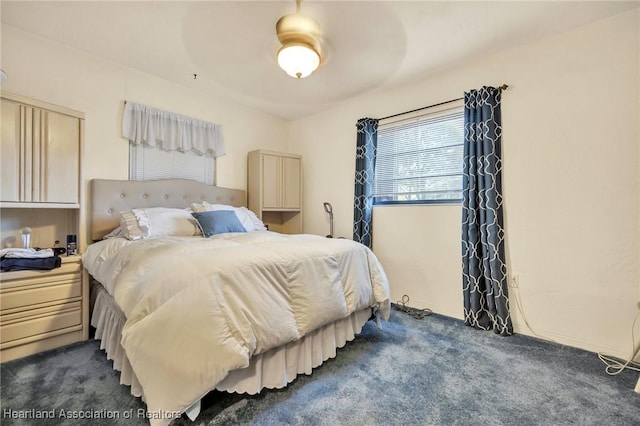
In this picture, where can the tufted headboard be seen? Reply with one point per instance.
(110, 197)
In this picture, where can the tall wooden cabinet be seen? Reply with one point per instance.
(274, 184)
(41, 175)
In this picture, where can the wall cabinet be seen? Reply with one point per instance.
(40, 153)
(275, 189)
(41, 177)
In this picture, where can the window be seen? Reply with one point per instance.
(165, 145)
(419, 159)
(153, 163)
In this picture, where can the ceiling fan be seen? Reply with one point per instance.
(300, 36)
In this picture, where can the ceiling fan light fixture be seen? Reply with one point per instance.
(300, 54)
(298, 60)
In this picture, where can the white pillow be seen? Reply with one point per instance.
(258, 225)
(115, 233)
(247, 218)
(158, 222)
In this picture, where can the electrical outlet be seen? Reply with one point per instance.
(514, 280)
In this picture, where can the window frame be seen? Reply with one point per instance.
(441, 109)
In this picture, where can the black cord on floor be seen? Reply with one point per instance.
(401, 305)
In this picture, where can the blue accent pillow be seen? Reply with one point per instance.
(218, 222)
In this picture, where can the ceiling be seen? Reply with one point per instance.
(231, 45)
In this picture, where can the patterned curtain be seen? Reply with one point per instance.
(366, 142)
(484, 271)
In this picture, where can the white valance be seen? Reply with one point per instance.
(171, 132)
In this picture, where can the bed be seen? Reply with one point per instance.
(181, 315)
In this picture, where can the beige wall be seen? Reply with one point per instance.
(637, 329)
(60, 75)
(571, 185)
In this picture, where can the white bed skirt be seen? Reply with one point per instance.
(273, 369)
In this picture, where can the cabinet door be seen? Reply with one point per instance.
(271, 181)
(291, 183)
(10, 151)
(60, 158)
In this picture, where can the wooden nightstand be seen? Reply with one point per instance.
(42, 310)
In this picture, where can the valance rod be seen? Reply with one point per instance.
(503, 87)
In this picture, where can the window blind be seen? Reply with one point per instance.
(420, 160)
(152, 163)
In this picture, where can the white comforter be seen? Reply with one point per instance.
(198, 308)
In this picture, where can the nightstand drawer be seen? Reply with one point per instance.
(35, 291)
(39, 322)
(70, 264)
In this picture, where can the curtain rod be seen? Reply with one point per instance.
(503, 87)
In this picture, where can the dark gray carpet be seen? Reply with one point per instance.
(434, 371)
